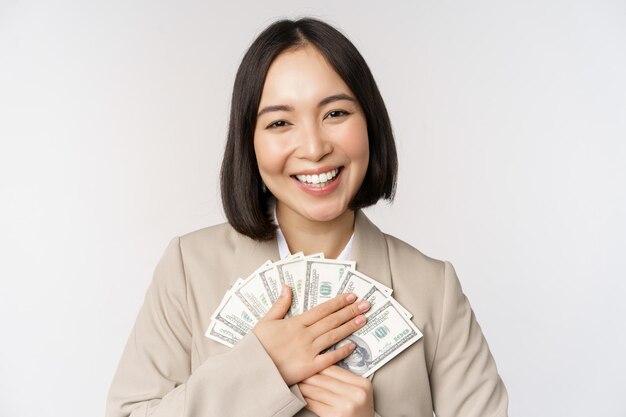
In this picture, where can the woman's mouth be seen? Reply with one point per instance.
(319, 180)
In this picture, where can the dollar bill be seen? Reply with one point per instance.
(387, 333)
(322, 280)
(255, 292)
(376, 296)
(233, 313)
(269, 276)
(359, 284)
(222, 333)
(368, 289)
(292, 272)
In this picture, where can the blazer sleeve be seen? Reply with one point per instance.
(154, 376)
(464, 378)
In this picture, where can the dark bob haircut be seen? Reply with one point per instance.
(245, 200)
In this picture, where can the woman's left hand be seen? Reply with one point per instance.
(336, 392)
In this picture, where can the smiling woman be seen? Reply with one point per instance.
(298, 82)
(309, 145)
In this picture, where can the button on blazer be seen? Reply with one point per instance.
(169, 368)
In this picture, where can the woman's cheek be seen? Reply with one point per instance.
(269, 155)
(356, 145)
(355, 140)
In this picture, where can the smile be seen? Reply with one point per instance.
(321, 180)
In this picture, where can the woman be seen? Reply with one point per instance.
(309, 144)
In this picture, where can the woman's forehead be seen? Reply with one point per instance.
(301, 76)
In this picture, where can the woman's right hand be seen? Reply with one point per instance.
(295, 343)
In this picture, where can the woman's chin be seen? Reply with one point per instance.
(315, 211)
(326, 215)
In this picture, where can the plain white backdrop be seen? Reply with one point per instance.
(510, 120)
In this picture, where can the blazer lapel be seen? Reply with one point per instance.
(369, 250)
(370, 253)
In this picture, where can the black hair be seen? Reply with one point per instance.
(245, 199)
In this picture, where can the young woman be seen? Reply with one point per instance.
(309, 145)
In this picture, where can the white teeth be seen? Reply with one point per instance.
(320, 179)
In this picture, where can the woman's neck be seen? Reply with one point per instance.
(310, 236)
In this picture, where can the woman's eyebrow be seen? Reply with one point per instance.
(278, 107)
(323, 102)
(336, 97)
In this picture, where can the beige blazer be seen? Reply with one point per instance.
(169, 368)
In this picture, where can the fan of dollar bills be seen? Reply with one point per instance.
(313, 280)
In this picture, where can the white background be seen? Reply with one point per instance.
(510, 120)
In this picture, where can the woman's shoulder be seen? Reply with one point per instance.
(216, 231)
(399, 246)
(221, 244)
(219, 237)
(401, 258)
(405, 256)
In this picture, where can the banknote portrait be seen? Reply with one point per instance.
(358, 361)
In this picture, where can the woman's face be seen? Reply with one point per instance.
(310, 139)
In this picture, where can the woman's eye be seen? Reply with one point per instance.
(336, 113)
(279, 123)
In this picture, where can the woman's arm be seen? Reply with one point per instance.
(464, 378)
(154, 375)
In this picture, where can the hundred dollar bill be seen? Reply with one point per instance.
(366, 288)
(255, 292)
(288, 273)
(272, 277)
(222, 333)
(322, 280)
(375, 296)
(387, 333)
(233, 313)
(359, 284)
(292, 272)
(271, 281)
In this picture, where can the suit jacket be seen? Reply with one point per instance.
(169, 368)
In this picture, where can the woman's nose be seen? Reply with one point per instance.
(313, 145)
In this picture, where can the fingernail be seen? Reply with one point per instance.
(359, 320)
(363, 305)
(351, 346)
(283, 292)
(350, 298)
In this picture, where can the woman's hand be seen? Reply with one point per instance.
(336, 392)
(295, 343)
